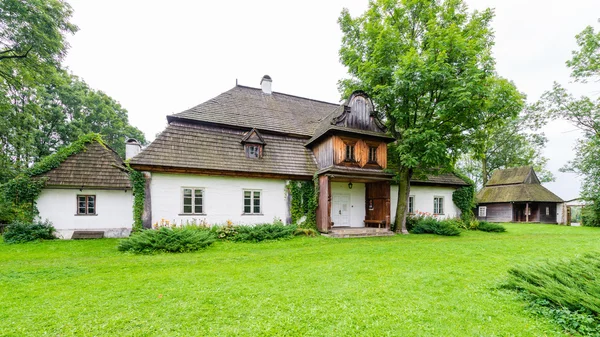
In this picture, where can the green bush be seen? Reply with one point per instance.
(490, 227)
(169, 240)
(590, 215)
(263, 232)
(430, 225)
(567, 291)
(305, 232)
(18, 231)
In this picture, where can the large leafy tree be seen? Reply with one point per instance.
(584, 113)
(505, 143)
(43, 106)
(428, 67)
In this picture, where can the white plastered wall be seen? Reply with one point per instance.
(114, 214)
(223, 198)
(423, 199)
(357, 200)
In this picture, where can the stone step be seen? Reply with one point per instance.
(357, 234)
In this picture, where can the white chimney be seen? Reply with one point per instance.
(265, 84)
(132, 148)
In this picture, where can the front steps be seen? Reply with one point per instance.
(357, 232)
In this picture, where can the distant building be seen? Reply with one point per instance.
(516, 195)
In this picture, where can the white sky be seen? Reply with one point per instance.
(159, 59)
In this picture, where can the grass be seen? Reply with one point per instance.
(415, 285)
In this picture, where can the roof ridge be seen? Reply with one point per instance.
(290, 95)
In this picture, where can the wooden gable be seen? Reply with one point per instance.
(359, 113)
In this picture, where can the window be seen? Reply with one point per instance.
(411, 204)
(253, 151)
(483, 211)
(349, 152)
(372, 154)
(86, 204)
(252, 202)
(438, 205)
(193, 201)
(547, 211)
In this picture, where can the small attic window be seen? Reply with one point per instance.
(253, 151)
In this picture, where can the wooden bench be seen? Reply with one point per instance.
(375, 222)
(77, 235)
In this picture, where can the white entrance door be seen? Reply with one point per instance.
(340, 210)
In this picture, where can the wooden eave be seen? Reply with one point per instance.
(356, 133)
(232, 173)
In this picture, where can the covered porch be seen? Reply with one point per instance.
(353, 200)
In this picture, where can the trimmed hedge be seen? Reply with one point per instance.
(254, 233)
(168, 240)
(430, 225)
(490, 227)
(19, 232)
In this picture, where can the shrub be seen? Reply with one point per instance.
(18, 231)
(430, 225)
(225, 232)
(169, 240)
(590, 215)
(566, 291)
(490, 227)
(263, 232)
(305, 232)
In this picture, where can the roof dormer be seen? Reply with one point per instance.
(253, 144)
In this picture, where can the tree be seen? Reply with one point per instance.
(428, 67)
(505, 143)
(584, 113)
(32, 38)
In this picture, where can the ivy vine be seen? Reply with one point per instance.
(138, 182)
(23, 190)
(304, 203)
(464, 198)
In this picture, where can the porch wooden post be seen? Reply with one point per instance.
(527, 212)
(324, 206)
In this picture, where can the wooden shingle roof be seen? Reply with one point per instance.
(97, 166)
(516, 193)
(514, 175)
(183, 145)
(250, 108)
(439, 179)
(518, 184)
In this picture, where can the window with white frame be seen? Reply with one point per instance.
(192, 200)
(252, 204)
(411, 204)
(438, 205)
(547, 211)
(482, 211)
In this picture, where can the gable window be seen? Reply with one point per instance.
(438, 205)
(411, 204)
(86, 205)
(252, 204)
(253, 151)
(192, 200)
(372, 154)
(483, 211)
(350, 153)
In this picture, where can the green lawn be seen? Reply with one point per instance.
(415, 285)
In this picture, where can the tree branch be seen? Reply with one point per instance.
(15, 56)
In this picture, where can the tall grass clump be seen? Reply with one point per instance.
(20, 231)
(566, 291)
(167, 240)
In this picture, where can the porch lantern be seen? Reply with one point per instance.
(350, 185)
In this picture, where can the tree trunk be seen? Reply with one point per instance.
(484, 170)
(405, 174)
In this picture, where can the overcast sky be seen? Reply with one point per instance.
(157, 58)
